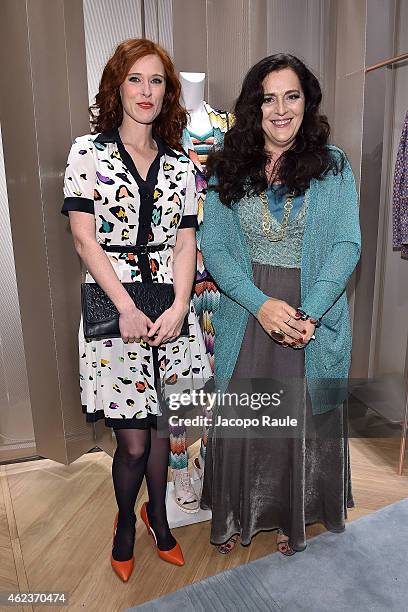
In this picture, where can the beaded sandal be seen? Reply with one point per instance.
(282, 541)
(228, 546)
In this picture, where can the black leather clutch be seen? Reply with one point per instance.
(101, 318)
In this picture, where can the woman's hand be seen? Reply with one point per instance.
(134, 325)
(168, 326)
(277, 315)
(310, 330)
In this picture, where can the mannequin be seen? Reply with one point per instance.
(192, 86)
(205, 130)
(199, 138)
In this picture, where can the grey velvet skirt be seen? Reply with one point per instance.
(264, 478)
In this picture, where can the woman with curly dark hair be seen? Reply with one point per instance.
(281, 238)
(131, 199)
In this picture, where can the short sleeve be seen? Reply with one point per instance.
(189, 218)
(80, 177)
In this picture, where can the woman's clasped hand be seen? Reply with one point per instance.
(282, 322)
(168, 326)
(135, 326)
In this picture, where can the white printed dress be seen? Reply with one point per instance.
(118, 380)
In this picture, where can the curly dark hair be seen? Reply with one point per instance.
(239, 166)
(107, 112)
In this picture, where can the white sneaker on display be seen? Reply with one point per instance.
(198, 468)
(184, 494)
(198, 474)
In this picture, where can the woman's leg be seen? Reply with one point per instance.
(128, 470)
(156, 478)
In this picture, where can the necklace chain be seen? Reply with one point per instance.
(266, 217)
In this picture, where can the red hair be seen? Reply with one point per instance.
(107, 112)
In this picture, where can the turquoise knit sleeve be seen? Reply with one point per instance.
(345, 250)
(218, 239)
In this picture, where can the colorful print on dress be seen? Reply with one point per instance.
(120, 213)
(106, 226)
(117, 381)
(105, 179)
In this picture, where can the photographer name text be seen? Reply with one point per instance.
(205, 421)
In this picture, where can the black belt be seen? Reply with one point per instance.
(138, 249)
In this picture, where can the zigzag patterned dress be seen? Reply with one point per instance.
(206, 294)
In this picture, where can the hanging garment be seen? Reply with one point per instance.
(203, 144)
(206, 295)
(400, 195)
(221, 121)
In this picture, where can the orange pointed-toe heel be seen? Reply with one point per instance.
(174, 555)
(123, 569)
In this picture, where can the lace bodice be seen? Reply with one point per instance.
(286, 253)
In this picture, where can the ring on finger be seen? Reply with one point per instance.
(277, 334)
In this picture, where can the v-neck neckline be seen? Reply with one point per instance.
(209, 134)
(152, 174)
(294, 217)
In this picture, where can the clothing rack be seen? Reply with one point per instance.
(404, 422)
(387, 62)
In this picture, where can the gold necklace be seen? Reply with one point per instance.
(266, 217)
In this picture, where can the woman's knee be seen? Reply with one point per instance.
(133, 448)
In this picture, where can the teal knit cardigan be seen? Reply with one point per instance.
(331, 250)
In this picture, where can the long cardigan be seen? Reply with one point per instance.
(330, 252)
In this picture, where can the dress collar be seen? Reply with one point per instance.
(113, 136)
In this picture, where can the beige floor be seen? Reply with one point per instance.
(56, 529)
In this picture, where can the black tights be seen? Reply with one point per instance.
(139, 453)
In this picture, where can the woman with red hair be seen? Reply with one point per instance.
(131, 200)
